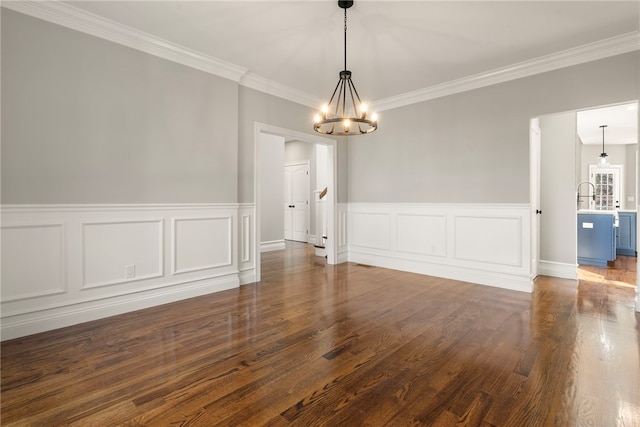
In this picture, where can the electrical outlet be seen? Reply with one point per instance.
(130, 271)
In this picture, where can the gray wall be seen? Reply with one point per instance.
(473, 147)
(557, 188)
(85, 120)
(88, 121)
(298, 151)
(272, 188)
(255, 106)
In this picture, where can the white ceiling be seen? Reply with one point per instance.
(394, 47)
(621, 121)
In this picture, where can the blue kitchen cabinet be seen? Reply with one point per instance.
(626, 244)
(596, 239)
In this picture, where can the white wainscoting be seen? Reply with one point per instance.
(487, 244)
(68, 264)
(341, 229)
(248, 254)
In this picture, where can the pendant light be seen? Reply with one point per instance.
(603, 163)
(348, 114)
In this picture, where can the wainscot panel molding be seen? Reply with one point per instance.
(558, 269)
(343, 235)
(68, 264)
(488, 244)
(248, 254)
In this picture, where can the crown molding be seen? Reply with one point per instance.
(77, 19)
(618, 45)
(262, 84)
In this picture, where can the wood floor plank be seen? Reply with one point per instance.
(343, 345)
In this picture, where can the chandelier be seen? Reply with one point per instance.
(348, 114)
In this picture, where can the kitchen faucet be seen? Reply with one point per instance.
(578, 196)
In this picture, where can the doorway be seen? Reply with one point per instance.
(261, 129)
(564, 165)
(606, 165)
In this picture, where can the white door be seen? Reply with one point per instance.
(296, 204)
(536, 209)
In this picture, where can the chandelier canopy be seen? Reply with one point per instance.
(345, 114)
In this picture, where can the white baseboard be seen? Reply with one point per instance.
(496, 279)
(247, 277)
(558, 269)
(273, 245)
(46, 320)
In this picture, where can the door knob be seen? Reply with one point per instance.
(539, 212)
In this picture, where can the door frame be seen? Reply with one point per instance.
(534, 192)
(332, 184)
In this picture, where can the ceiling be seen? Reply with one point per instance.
(394, 47)
(621, 121)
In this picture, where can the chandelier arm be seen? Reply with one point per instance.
(340, 94)
(334, 93)
(353, 99)
(356, 91)
(344, 99)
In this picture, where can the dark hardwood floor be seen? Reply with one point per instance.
(344, 345)
(621, 272)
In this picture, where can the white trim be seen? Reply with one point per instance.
(427, 238)
(97, 207)
(77, 19)
(601, 49)
(521, 283)
(247, 277)
(262, 84)
(63, 279)
(46, 320)
(174, 244)
(79, 301)
(558, 269)
(272, 245)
